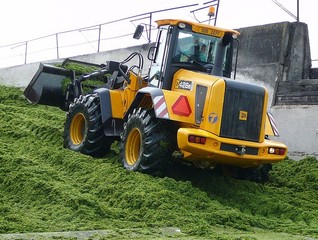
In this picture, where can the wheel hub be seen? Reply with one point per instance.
(133, 145)
(77, 129)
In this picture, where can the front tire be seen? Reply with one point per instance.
(146, 145)
(83, 129)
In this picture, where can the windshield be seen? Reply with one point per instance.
(195, 47)
(184, 49)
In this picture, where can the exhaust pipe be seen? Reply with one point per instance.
(220, 53)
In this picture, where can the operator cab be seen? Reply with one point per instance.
(192, 46)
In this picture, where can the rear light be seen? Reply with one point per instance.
(276, 151)
(196, 139)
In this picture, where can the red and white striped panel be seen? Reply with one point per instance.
(161, 107)
(273, 124)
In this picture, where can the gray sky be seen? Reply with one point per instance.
(22, 20)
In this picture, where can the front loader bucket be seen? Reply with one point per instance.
(49, 86)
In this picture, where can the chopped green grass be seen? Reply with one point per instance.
(92, 82)
(46, 188)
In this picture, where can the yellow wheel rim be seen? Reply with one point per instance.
(133, 144)
(77, 129)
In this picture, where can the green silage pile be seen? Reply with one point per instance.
(46, 188)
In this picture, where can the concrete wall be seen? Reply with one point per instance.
(272, 53)
(20, 76)
(268, 54)
(298, 127)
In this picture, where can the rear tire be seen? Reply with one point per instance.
(146, 145)
(83, 129)
(254, 174)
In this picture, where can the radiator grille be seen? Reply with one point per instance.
(242, 111)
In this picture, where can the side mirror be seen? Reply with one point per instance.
(138, 32)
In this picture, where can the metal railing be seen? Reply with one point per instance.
(102, 37)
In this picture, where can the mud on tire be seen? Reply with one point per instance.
(146, 143)
(83, 129)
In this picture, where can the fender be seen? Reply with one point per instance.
(105, 103)
(149, 97)
(112, 126)
(163, 102)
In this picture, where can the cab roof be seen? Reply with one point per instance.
(198, 27)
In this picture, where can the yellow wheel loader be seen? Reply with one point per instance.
(185, 108)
